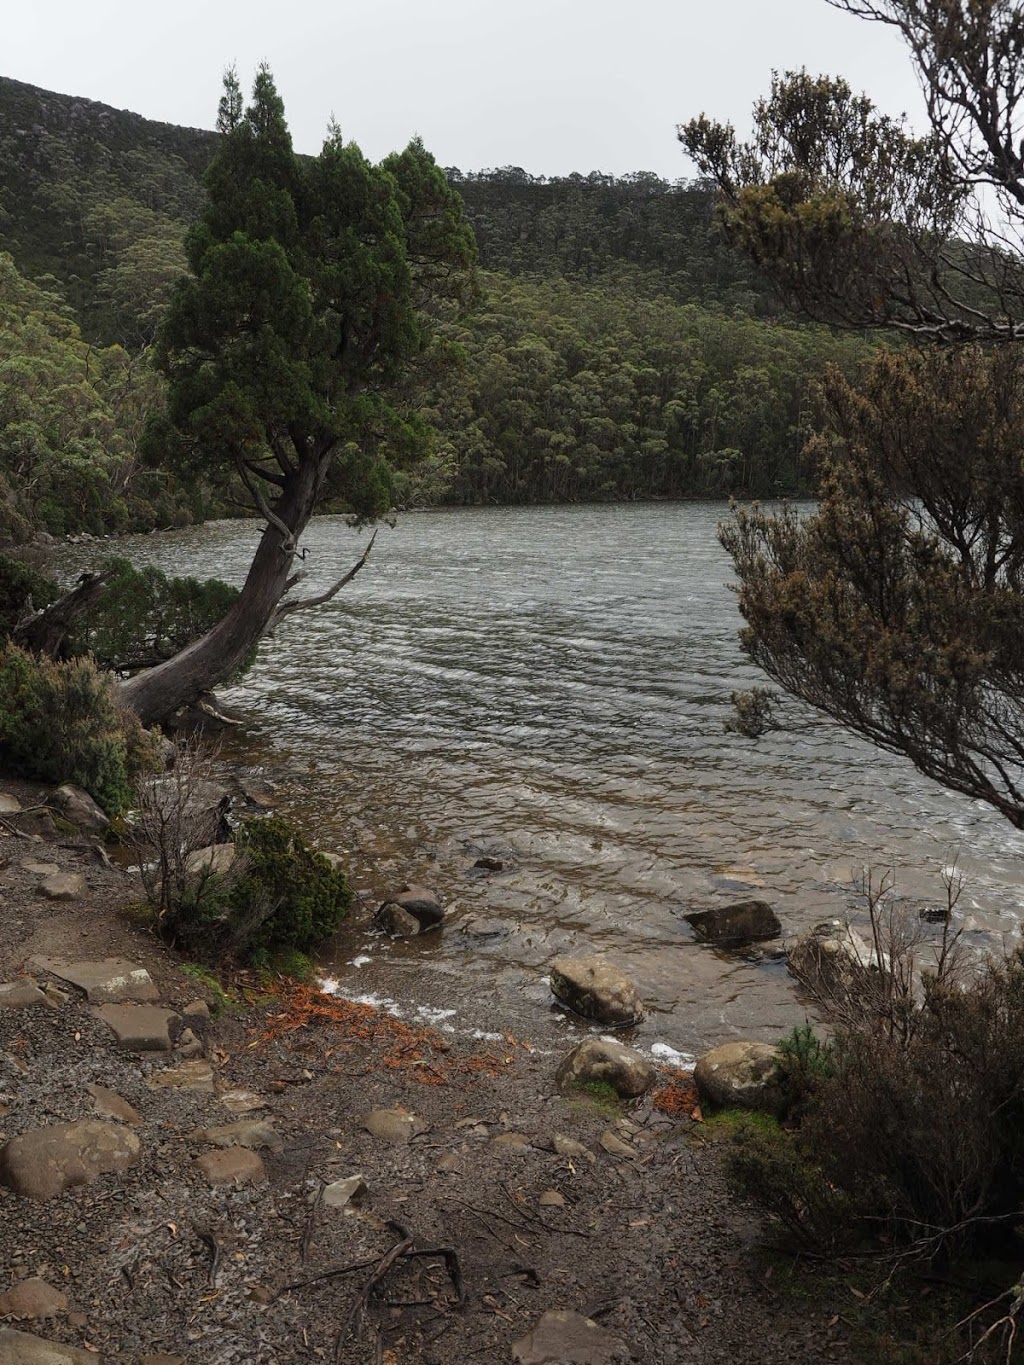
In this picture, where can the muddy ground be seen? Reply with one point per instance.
(633, 1228)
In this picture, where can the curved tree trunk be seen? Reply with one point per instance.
(158, 692)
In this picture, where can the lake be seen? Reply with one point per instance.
(548, 686)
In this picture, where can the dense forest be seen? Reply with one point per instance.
(618, 348)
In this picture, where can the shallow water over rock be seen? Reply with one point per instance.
(546, 688)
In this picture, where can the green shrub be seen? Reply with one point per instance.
(145, 617)
(61, 722)
(805, 1060)
(280, 900)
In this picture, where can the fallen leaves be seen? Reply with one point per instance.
(678, 1096)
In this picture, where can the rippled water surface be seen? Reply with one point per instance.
(548, 686)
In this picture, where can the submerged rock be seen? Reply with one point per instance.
(423, 905)
(736, 925)
(595, 989)
(833, 958)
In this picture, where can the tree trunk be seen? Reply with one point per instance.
(157, 693)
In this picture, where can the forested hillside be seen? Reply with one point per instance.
(620, 349)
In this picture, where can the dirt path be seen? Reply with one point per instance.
(545, 1204)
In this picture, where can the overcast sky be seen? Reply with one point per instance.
(551, 85)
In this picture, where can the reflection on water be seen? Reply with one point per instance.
(548, 685)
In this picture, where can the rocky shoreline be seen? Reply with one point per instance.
(298, 1177)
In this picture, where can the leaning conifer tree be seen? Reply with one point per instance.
(898, 608)
(311, 290)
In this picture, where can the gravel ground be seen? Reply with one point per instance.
(645, 1240)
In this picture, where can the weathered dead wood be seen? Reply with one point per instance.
(288, 608)
(44, 631)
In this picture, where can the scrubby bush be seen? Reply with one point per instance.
(279, 898)
(753, 713)
(911, 1141)
(61, 722)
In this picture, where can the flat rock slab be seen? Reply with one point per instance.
(345, 1193)
(234, 1166)
(19, 1348)
(513, 1142)
(9, 805)
(602, 1061)
(46, 1161)
(112, 1106)
(62, 886)
(243, 1101)
(40, 869)
(19, 995)
(105, 982)
(616, 1146)
(254, 1133)
(33, 1298)
(595, 989)
(562, 1338)
(393, 1125)
(187, 1076)
(139, 1028)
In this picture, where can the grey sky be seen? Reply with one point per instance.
(550, 85)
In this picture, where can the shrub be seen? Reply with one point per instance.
(911, 1137)
(280, 898)
(61, 722)
(805, 1061)
(753, 713)
(145, 617)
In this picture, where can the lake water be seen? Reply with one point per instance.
(548, 686)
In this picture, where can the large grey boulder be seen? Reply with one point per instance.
(46, 1161)
(79, 809)
(593, 988)
(603, 1061)
(214, 858)
(736, 925)
(741, 1076)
